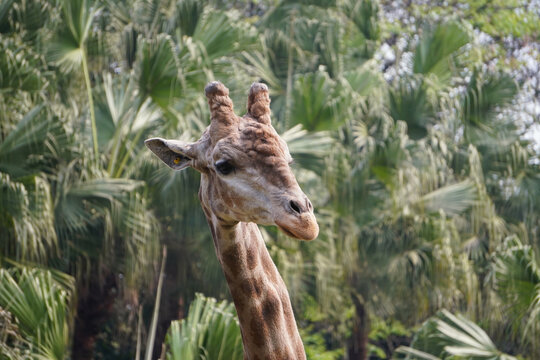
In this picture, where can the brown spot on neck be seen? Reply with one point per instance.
(233, 258)
(252, 257)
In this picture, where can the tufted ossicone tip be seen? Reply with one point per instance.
(216, 88)
(257, 87)
(259, 103)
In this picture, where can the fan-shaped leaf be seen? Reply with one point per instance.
(436, 49)
(42, 307)
(447, 336)
(210, 331)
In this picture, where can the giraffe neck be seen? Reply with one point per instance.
(260, 296)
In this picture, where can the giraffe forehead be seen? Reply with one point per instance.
(259, 142)
(262, 142)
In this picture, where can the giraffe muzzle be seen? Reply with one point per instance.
(304, 227)
(298, 221)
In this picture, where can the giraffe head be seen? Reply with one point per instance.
(244, 165)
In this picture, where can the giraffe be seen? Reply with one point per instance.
(246, 180)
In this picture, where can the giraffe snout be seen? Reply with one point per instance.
(298, 221)
(300, 207)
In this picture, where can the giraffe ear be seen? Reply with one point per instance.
(175, 154)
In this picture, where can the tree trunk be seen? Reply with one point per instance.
(172, 301)
(93, 309)
(357, 346)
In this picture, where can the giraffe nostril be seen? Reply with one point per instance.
(294, 206)
(309, 205)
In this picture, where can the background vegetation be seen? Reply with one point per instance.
(412, 125)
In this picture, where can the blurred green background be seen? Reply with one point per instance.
(415, 129)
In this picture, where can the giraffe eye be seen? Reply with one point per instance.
(224, 167)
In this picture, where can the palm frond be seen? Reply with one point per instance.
(484, 124)
(436, 50)
(26, 210)
(5, 8)
(279, 17)
(26, 203)
(364, 14)
(322, 41)
(452, 199)
(364, 80)
(19, 73)
(32, 17)
(210, 331)
(68, 47)
(78, 203)
(309, 150)
(278, 47)
(409, 102)
(414, 354)
(315, 100)
(222, 34)
(186, 17)
(122, 120)
(449, 336)
(158, 71)
(29, 137)
(41, 306)
(517, 281)
(258, 64)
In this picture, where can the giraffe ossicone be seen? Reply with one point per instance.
(246, 180)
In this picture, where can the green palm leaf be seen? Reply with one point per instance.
(26, 215)
(72, 205)
(221, 33)
(25, 202)
(69, 46)
(5, 8)
(315, 101)
(517, 281)
(158, 71)
(210, 331)
(364, 14)
(41, 306)
(107, 218)
(31, 17)
(18, 68)
(309, 150)
(27, 138)
(279, 17)
(409, 102)
(447, 336)
(436, 51)
(364, 80)
(259, 64)
(186, 16)
(485, 96)
(33, 144)
(122, 119)
(452, 199)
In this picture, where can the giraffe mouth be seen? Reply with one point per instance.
(304, 228)
(287, 232)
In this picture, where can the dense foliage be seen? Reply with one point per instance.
(410, 124)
